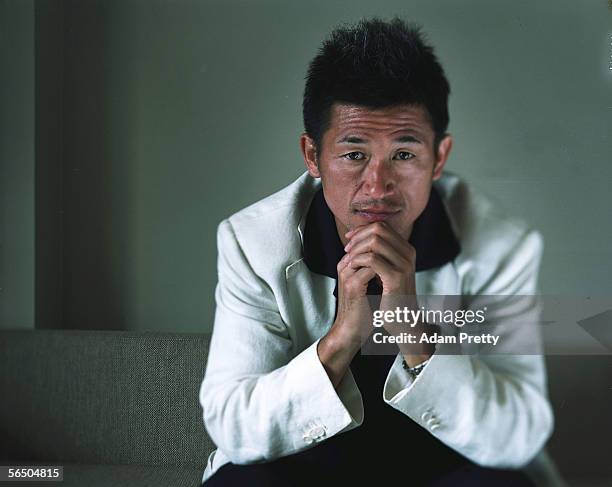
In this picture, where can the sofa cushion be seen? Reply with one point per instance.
(103, 397)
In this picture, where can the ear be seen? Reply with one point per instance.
(444, 148)
(310, 155)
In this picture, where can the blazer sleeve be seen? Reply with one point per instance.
(261, 399)
(493, 409)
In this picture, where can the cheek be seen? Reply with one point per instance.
(343, 174)
(340, 184)
(416, 194)
(336, 196)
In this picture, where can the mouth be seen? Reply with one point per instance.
(375, 214)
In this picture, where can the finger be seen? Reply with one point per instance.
(383, 230)
(357, 284)
(364, 275)
(378, 264)
(378, 245)
(345, 271)
(365, 229)
(342, 263)
(344, 268)
(353, 230)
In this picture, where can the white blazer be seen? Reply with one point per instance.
(265, 393)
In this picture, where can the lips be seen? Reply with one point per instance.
(376, 214)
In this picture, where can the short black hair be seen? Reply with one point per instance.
(375, 64)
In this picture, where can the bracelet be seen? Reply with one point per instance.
(416, 370)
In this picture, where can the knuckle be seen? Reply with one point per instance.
(352, 286)
(375, 242)
(379, 227)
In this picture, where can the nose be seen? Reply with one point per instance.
(379, 179)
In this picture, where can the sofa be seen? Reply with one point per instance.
(114, 408)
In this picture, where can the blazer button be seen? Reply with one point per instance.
(425, 416)
(308, 439)
(318, 432)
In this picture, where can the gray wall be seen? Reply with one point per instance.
(129, 129)
(17, 164)
(162, 118)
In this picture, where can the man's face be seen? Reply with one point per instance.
(376, 165)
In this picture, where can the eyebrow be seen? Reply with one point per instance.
(402, 139)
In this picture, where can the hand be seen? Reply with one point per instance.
(379, 247)
(353, 320)
(354, 314)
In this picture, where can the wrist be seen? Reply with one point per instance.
(335, 356)
(413, 360)
(337, 344)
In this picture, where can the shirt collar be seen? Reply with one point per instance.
(432, 237)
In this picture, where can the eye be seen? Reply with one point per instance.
(404, 156)
(354, 156)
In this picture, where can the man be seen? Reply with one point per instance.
(287, 396)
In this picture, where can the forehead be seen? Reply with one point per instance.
(346, 119)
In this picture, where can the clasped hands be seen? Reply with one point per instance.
(377, 251)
